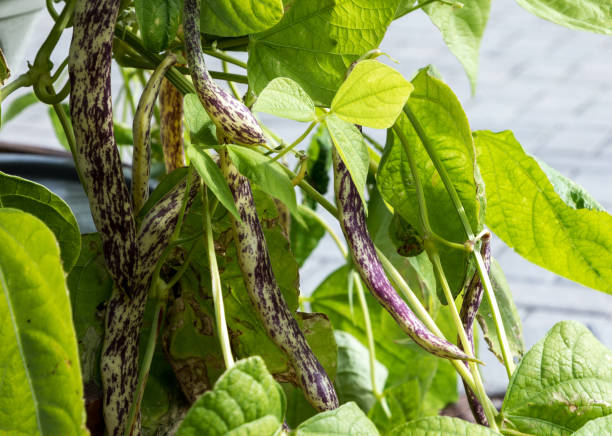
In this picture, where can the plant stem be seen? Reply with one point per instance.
(291, 146)
(215, 279)
(484, 276)
(497, 318)
(143, 374)
(215, 52)
(432, 252)
(327, 227)
(373, 142)
(230, 83)
(21, 81)
(370, 336)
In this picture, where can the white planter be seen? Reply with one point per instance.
(17, 23)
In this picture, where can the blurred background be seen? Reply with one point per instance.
(550, 85)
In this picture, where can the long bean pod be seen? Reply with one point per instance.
(230, 115)
(469, 309)
(265, 294)
(171, 127)
(353, 222)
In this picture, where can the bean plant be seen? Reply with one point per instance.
(182, 314)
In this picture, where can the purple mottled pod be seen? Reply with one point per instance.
(353, 222)
(232, 117)
(469, 309)
(263, 290)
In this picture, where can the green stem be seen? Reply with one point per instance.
(179, 273)
(327, 227)
(291, 146)
(21, 81)
(497, 318)
(373, 142)
(143, 374)
(484, 276)
(230, 83)
(432, 252)
(217, 290)
(225, 57)
(128, 89)
(67, 127)
(228, 43)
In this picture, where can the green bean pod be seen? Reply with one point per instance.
(353, 222)
(230, 115)
(141, 128)
(281, 326)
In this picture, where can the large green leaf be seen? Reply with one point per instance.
(570, 192)
(245, 401)
(239, 17)
(591, 15)
(202, 130)
(596, 427)
(158, 21)
(269, 176)
(37, 200)
(319, 162)
(527, 214)
(18, 105)
(373, 95)
(305, 235)
(353, 379)
(564, 381)
(446, 128)
(212, 177)
(316, 41)
(346, 420)
(462, 30)
(286, 99)
(509, 313)
(441, 426)
(40, 377)
(352, 149)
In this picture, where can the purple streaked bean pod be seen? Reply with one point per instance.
(469, 309)
(263, 290)
(353, 222)
(231, 116)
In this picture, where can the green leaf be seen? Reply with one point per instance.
(563, 382)
(352, 149)
(269, 176)
(319, 162)
(509, 313)
(596, 427)
(592, 15)
(213, 178)
(90, 287)
(316, 41)
(37, 200)
(286, 99)
(123, 133)
(18, 105)
(446, 128)
(305, 235)
(441, 426)
(245, 401)
(346, 420)
(353, 380)
(158, 21)
(403, 402)
(57, 125)
(404, 7)
(527, 214)
(41, 390)
(373, 95)
(202, 130)
(239, 17)
(462, 30)
(166, 184)
(571, 193)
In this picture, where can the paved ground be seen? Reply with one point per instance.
(548, 84)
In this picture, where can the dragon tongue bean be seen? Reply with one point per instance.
(281, 326)
(171, 129)
(353, 222)
(469, 309)
(231, 116)
(96, 150)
